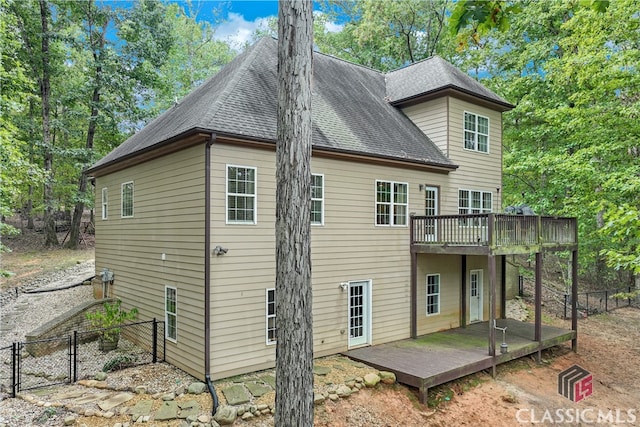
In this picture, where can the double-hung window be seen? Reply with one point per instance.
(105, 202)
(433, 294)
(317, 199)
(474, 202)
(127, 199)
(271, 316)
(392, 200)
(476, 132)
(171, 313)
(241, 195)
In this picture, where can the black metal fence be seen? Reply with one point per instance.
(600, 301)
(80, 355)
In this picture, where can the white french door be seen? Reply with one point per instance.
(431, 209)
(475, 296)
(359, 313)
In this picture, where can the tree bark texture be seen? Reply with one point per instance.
(50, 237)
(294, 333)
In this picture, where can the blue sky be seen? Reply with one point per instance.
(242, 17)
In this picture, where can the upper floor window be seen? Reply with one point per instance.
(392, 199)
(317, 199)
(127, 199)
(105, 202)
(241, 194)
(476, 132)
(474, 202)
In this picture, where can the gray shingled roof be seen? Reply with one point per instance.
(431, 75)
(351, 112)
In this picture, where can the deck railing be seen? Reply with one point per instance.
(492, 230)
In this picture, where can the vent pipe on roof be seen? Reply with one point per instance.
(207, 272)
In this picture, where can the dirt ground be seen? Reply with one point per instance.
(523, 392)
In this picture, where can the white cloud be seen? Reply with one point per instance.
(332, 27)
(237, 30)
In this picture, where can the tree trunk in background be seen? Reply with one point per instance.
(76, 220)
(50, 237)
(294, 333)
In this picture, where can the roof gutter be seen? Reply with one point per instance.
(207, 273)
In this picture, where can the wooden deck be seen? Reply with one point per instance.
(437, 358)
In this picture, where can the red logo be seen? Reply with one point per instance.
(575, 383)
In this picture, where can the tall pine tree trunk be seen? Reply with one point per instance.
(50, 237)
(294, 333)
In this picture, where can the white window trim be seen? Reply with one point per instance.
(439, 293)
(269, 316)
(391, 204)
(167, 314)
(469, 208)
(133, 190)
(476, 133)
(321, 199)
(255, 195)
(105, 203)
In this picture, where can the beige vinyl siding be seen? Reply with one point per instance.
(431, 118)
(481, 263)
(168, 218)
(477, 171)
(448, 266)
(442, 120)
(348, 247)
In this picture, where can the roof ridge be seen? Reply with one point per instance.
(404, 67)
(349, 62)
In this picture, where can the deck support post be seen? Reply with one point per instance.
(538, 303)
(503, 287)
(463, 292)
(414, 294)
(491, 259)
(574, 299)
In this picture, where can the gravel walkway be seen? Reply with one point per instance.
(22, 310)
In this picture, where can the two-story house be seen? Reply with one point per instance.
(402, 161)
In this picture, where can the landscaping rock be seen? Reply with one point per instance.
(168, 396)
(114, 401)
(140, 389)
(257, 389)
(321, 370)
(197, 388)
(69, 421)
(190, 408)
(101, 376)
(387, 377)
(236, 394)
(371, 380)
(168, 411)
(225, 415)
(141, 409)
(270, 380)
(318, 399)
(343, 391)
(333, 397)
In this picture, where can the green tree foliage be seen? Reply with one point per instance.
(100, 89)
(571, 143)
(385, 34)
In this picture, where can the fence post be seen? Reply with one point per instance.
(565, 306)
(155, 340)
(75, 356)
(14, 368)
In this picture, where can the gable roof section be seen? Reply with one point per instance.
(432, 75)
(350, 104)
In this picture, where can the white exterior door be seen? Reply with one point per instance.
(431, 209)
(359, 313)
(475, 296)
